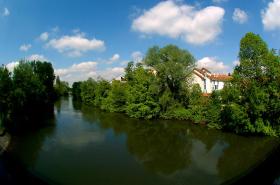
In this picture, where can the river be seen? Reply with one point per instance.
(86, 146)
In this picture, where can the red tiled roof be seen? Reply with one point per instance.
(220, 77)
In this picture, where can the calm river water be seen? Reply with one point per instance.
(85, 146)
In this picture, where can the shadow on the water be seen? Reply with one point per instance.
(12, 170)
(167, 148)
(266, 172)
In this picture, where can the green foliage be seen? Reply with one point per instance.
(161, 87)
(177, 111)
(76, 90)
(5, 94)
(146, 110)
(116, 100)
(173, 67)
(250, 102)
(61, 88)
(26, 94)
(87, 91)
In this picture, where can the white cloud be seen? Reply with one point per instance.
(213, 65)
(25, 47)
(111, 73)
(236, 63)
(77, 72)
(176, 20)
(85, 70)
(115, 57)
(77, 45)
(44, 36)
(270, 16)
(239, 16)
(137, 56)
(6, 12)
(219, 1)
(37, 57)
(10, 66)
(124, 62)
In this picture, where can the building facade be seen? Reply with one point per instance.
(208, 81)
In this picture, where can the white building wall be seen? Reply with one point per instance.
(198, 80)
(210, 85)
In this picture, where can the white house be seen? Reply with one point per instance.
(208, 81)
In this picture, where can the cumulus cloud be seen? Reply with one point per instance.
(76, 45)
(6, 12)
(137, 56)
(85, 70)
(77, 72)
(176, 20)
(25, 47)
(44, 36)
(37, 57)
(270, 16)
(213, 65)
(239, 16)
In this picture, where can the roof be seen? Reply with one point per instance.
(199, 74)
(203, 73)
(220, 77)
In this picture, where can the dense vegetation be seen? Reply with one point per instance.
(26, 93)
(161, 87)
(61, 87)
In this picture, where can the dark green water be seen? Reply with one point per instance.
(86, 146)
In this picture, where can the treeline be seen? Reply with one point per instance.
(26, 94)
(161, 87)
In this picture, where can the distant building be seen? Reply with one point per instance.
(208, 81)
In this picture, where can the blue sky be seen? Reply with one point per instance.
(90, 38)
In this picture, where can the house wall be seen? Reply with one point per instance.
(197, 80)
(220, 84)
(209, 84)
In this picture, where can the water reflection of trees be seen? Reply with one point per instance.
(166, 146)
(27, 145)
(157, 146)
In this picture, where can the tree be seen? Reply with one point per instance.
(61, 88)
(87, 91)
(116, 100)
(5, 94)
(30, 93)
(252, 98)
(173, 67)
(142, 94)
(76, 90)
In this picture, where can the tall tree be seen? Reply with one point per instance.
(173, 66)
